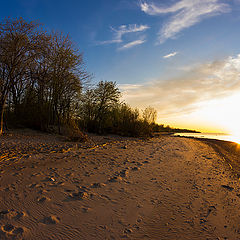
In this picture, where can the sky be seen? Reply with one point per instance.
(181, 57)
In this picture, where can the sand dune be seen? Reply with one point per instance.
(162, 188)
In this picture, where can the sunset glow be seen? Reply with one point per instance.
(221, 116)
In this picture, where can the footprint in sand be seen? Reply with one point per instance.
(211, 209)
(9, 188)
(36, 174)
(43, 199)
(97, 185)
(86, 209)
(207, 157)
(77, 196)
(15, 174)
(69, 174)
(50, 220)
(115, 179)
(18, 231)
(9, 231)
(42, 191)
(3, 213)
(128, 230)
(49, 179)
(69, 190)
(123, 173)
(11, 214)
(135, 168)
(34, 185)
(8, 228)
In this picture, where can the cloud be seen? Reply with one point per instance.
(185, 13)
(126, 87)
(187, 92)
(109, 41)
(123, 30)
(170, 55)
(132, 44)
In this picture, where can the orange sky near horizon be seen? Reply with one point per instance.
(214, 116)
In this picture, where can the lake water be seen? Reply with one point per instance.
(219, 136)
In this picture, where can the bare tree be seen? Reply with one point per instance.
(87, 108)
(41, 74)
(18, 42)
(149, 115)
(98, 102)
(106, 95)
(66, 77)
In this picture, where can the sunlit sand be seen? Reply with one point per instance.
(162, 188)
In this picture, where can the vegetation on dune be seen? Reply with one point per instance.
(42, 86)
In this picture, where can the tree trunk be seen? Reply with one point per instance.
(1, 120)
(59, 123)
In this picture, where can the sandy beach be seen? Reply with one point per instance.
(117, 188)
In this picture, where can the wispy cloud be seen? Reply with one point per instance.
(170, 55)
(119, 32)
(185, 13)
(132, 44)
(109, 41)
(185, 93)
(126, 87)
(131, 28)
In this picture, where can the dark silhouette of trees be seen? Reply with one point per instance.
(41, 75)
(97, 104)
(106, 96)
(18, 47)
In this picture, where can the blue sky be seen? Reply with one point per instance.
(154, 49)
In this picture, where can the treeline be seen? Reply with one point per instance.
(168, 129)
(41, 76)
(42, 86)
(102, 111)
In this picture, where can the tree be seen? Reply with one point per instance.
(41, 75)
(18, 42)
(65, 76)
(87, 109)
(106, 95)
(97, 103)
(149, 115)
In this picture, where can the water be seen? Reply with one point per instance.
(218, 136)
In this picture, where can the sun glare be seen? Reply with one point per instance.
(219, 116)
(225, 113)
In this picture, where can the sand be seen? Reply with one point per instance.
(125, 188)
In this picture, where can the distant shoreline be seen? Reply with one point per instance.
(228, 150)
